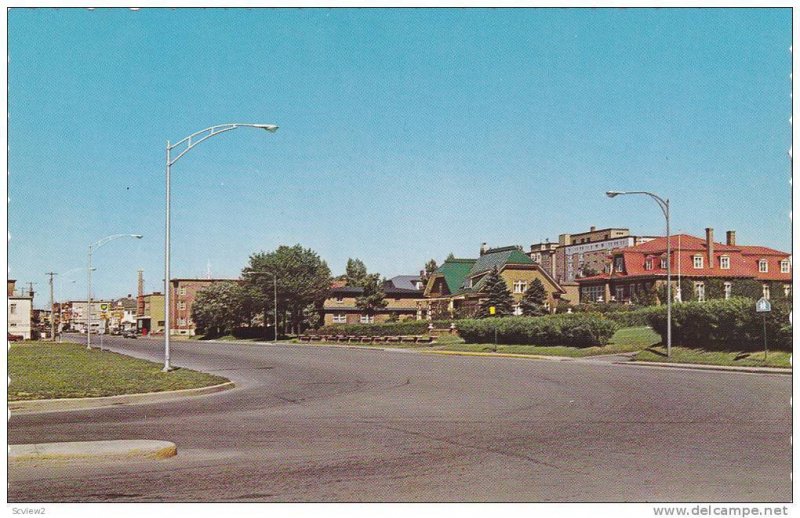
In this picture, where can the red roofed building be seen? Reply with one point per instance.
(643, 267)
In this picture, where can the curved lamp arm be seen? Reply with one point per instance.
(662, 203)
(205, 134)
(106, 239)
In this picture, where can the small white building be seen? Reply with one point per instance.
(20, 307)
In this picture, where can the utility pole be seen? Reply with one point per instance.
(52, 308)
(30, 288)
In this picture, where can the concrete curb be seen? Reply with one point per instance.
(123, 449)
(700, 366)
(503, 355)
(63, 405)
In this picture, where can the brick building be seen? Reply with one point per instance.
(182, 295)
(401, 295)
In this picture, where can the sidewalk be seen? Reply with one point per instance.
(707, 367)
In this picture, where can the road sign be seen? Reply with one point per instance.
(763, 306)
(491, 310)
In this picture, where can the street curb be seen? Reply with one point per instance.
(700, 366)
(120, 449)
(64, 405)
(502, 355)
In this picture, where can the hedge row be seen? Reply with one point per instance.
(579, 330)
(408, 327)
(731, 325)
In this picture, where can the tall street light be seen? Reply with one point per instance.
(92, 248)
(274, 299)
(664, 205)
(186, 144)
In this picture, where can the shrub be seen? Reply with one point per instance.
(579, 330)
(408, 327)
(731, 325)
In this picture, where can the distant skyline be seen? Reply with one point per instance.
(405, 134)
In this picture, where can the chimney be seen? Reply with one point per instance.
(140, 289)
(564, 239)
(730, 238)
(710, 246)
(483, 248)
(592, 228)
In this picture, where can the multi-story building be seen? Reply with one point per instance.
(20, 307)
(150, 313)
(401, 295)
(454, 289)
(123, 314)
(182, 295)
(642, 268)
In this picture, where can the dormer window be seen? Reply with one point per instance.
(763, 266)
(725, 262)
(619, 264)
(418, 284)
(340, 300)
(663, 263)
(785, 266)
(698, 261)
(648, 264)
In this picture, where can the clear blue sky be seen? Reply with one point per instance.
(405, 134)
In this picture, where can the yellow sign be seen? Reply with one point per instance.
(491, 310)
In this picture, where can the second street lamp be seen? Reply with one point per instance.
(186, 144)
(664, 205)
(92, 248)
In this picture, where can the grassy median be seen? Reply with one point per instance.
(729, 358)
(44, 370)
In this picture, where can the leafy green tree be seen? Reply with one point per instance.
(303, 278)
(497, 295)
(750, 288)
(217, 309)
(533, 300)
(372, 297)
(355, 272)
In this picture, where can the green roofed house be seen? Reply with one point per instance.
(454, 289)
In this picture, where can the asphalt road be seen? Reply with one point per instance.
(334, 424)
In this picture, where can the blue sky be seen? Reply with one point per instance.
(405, 134)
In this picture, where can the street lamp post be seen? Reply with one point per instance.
(92, 248)
(274, 300)
(664, 206)
(188, 143)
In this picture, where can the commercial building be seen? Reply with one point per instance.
(697, 264)
(150, 313)
(20, 307)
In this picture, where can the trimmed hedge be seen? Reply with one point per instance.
(626, 315)
(578, 330)
(408, 327)
(726, 325)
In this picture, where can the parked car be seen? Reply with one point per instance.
(129, 334)
(15, 338)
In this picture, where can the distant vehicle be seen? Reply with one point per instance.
(129, 334)
(15, 338)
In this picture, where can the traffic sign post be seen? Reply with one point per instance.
(104, 317)
(492, 311)
(763, 306)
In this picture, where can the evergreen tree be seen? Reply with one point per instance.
(430, 267)
(533, 300)
(497, 295)
(373, 297)
(450, 256)
(355, 272)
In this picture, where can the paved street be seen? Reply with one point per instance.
(336, 424)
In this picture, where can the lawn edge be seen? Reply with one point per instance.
(35, 406)
(708, 367)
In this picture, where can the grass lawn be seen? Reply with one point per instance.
(742, 359)
(44, 370)
(625, 340)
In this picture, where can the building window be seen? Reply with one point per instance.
(700, 291)
(648, 264)
(181, 305)
(520, 286)
(619, 264)
(339, 318)
(765, 291)
(619, 292)
(787, 290)
(517, 310)
(698, 261)
(727, 286)
(663, 263)
(593, 293)
(182, 290)
(763, 267)
(181, 321)
(785, 266)
(12, 309)
(367, 319)
(725, 262)
(340, 300)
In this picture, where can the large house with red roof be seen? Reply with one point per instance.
(644, 267)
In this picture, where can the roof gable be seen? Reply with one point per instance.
(454, 272)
